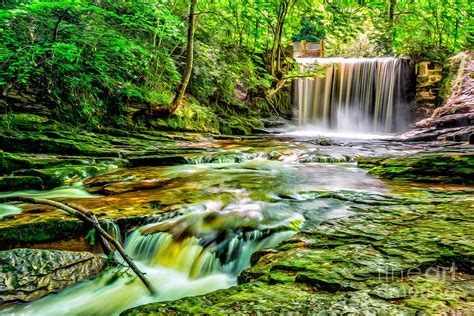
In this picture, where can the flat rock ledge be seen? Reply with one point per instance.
(29, 274)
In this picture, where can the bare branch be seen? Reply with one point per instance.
(88, 217)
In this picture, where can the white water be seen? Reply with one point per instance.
(356, 94)
(97, 297)
(314, 131)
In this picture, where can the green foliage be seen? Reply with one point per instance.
(77, 56)
(191, 117)
(90, 62)
(90, 237)
(433, 29)
(312, 30)
(96, 63)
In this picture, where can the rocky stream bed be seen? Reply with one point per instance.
(329, 224)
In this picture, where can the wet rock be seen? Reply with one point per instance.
(43, 144)
(52, 229)
(156, 161)
(54, 177)
(446, 167)
(455, 119)
(14, 183)
(28, 274)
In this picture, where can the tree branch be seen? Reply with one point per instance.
(88, 217)
(56, 27)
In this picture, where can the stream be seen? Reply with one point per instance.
(208, 216)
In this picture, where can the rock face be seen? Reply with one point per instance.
(455, 119)
(429, 78)
(28, 274)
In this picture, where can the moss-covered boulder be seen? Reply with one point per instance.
(13, 183)
(444, 167)
(28, 274)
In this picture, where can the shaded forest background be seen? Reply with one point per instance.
(97, 63)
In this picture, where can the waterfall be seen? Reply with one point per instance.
(356, 94)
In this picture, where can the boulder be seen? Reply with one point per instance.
(29, 274)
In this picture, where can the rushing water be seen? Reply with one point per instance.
(243, 196)
(356, 94)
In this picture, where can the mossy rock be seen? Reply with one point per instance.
(44, 231)
(23, 121)
(445, 167)
(15, 183)
(54, 177)
(39, 143)
(28, 274)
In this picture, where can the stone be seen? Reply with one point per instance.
(29, 274)
(456, 112)
(14, 183)
(446, 167)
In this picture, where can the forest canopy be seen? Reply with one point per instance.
(99, 62)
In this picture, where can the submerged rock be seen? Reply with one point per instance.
(28, 274)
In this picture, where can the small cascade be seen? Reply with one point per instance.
(113, 229)
(225, 159)
(195, 257)
(356, 94)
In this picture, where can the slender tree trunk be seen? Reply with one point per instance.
(56, 26)
(189, 58)
(391, 21)
(277, 39)
(275, 59)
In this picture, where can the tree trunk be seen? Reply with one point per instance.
(189, 59)
(277, 39)
(56, 26)
(275, 59)
(391, 21)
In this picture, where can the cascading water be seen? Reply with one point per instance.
(356, 94)
(177, 265)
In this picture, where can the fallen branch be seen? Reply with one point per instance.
(88, 217)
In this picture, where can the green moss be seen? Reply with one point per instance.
(39, 143)
(7, 268)
(425, 167)
(14, 183)
(45, 231)
(15, 283)
(54, 177)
